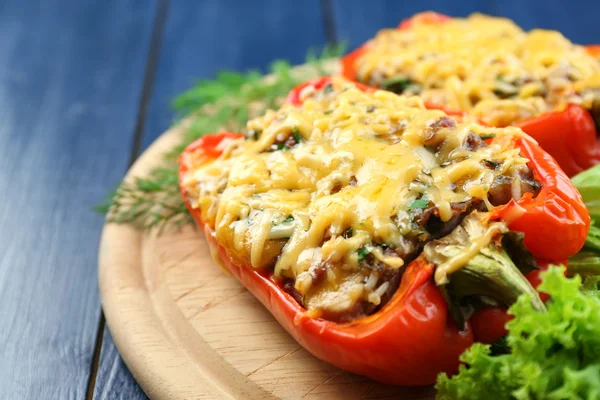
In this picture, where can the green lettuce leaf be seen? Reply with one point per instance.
(554, 354)
(588, 184)
(587, 261)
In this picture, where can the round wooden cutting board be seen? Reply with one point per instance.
(187, 330)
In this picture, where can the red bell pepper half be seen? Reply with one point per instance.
(569, 135)
(412, 338)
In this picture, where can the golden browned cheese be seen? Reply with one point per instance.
(358, 160)
(486, 65)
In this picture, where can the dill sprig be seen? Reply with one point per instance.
(149, 202)
(223, 103)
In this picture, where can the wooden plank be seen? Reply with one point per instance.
(200, 39)
(204, 37)
(70, 81)
(115, 382)
(577, 20)
(358, 21)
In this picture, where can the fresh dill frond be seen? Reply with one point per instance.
(223, 103)
(149, 202)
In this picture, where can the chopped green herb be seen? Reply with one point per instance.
(532, 183)
(396, 84)
(328, 89)
(488, 136)
(492, 164)
(419, 203)
(288, 220)
(327, 112)
(371, 108)
(504, 89)
(282, 146)
(348, 233)
(297, 136)
(363, 252)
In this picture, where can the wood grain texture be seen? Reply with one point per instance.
(187, 330)
(69, 87)
(576, 19)
(357, 21)
(115, 382)
(204, 37)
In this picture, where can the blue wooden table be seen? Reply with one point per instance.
(85, 86)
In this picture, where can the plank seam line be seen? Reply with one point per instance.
(155, 44)
(158, 28)
(95, 357)
(329, 21)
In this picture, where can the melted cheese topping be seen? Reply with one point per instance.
(359, 168)
(486, 65)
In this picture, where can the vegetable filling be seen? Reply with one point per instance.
(335, 196)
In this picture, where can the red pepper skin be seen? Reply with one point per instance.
(489, 324)
(319, 83)
(593, 50)
(348, 61)
(426, 17)
(569, 135)
(556, 221)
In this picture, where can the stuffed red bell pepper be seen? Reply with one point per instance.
(490, 67)
(375, 230)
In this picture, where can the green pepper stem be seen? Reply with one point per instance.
(588, 184)
(584, 263)
(592, 241)
(490, 275)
